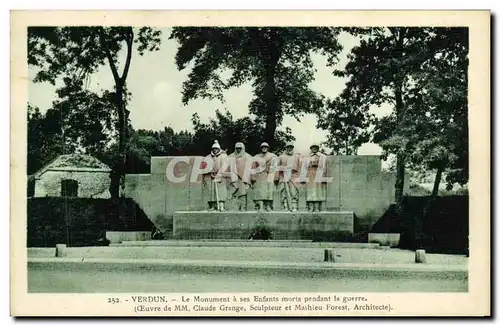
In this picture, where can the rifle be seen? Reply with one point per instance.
(216, 194)
(288, 200)
(287, 191)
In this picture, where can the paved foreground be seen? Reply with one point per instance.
(148, 275)
(241, 267)
(57, 281)
(238, 252)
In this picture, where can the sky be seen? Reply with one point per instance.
(156, 83)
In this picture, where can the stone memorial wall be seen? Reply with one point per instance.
(359, 185)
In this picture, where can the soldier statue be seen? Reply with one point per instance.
(241, 182)
(214, 181)
(290, 164)
(315, 187)
(264, 181)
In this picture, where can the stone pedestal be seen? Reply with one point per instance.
(61, 250)
(321, 226)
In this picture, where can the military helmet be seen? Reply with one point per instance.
(216, 144)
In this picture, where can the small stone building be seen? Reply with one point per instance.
(73, 175)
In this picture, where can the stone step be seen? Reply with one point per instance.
(228, 253)
(319, 226)
(244, 243)
(309, 269)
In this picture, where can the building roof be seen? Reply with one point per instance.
(74, 162)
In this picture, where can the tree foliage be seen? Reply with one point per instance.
(228, 131)
(347, 125)
(74, 124)
(87, 118)
(81, 51)
(223, 127)
(75, 53)
(442, 111)
(276, 61)
(421, 73)
(45, 141)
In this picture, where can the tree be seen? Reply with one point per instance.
(74, 53)
(277, 61)
(388, 67)
(88, 119)
(77, 124)
(348, 127)
(229, 131)
(146, 143)
(45, 138)
(143, 145)
(443, 110)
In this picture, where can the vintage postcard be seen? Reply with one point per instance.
(250, 163)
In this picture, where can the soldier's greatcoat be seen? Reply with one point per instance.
(292, 164)
(264, 187)
(219, 161)
(316, 164)
(242, 162)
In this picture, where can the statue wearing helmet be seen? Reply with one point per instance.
(241, 183)
(264, 180)
(315, 189)
(290, 164)
(214, 181)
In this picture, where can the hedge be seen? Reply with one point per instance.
(445, 229)
(80, 221)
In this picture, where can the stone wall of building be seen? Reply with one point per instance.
(358, 185)
(93, 184)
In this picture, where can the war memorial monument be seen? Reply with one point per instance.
(296, 197)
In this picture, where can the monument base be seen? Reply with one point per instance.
(318, 226)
